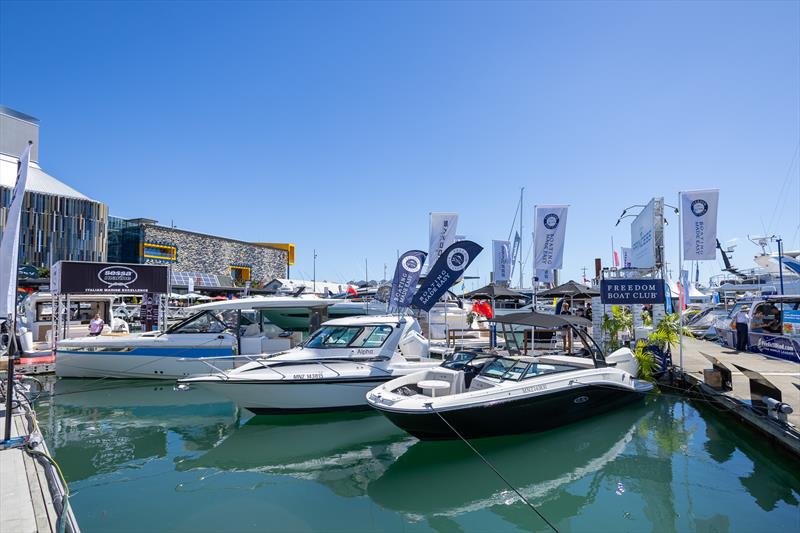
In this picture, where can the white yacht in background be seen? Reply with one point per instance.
(331, 371)
(224, 328)
(765, 278)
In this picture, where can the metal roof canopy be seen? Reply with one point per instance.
(570, 289)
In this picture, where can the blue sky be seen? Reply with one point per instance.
(340, 126)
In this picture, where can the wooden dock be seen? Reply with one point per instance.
(31, 490)
(783, 374)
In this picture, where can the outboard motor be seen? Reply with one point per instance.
(414, 346)
(625, 360)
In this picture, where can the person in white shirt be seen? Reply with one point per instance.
(741, 319)
(96, 325)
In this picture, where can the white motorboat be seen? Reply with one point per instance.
(486, 394)
(333, 370)
(224, 328)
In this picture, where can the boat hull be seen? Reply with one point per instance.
(296, 396)
(124, 365)
(524, 415)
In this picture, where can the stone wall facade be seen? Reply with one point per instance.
(197, 252)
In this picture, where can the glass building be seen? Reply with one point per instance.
(58, 222)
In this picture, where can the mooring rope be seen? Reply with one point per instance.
(495, 470)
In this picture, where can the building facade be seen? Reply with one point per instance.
(58, 222)
(208, 260)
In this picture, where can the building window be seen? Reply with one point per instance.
(162, 252)
(240, 273)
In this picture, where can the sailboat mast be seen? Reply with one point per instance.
(519, 249)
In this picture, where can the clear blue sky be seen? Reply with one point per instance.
(340, 126)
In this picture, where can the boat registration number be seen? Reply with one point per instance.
(308, 376)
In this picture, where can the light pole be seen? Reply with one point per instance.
(780, 260)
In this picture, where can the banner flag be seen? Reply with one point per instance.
(502, 260)
(699, 224)
(684, 286)
(444, 273)
(550, 225)
(627, 258)
(9, 246)
(442, 234)
(616, 259)
(406, 276)
(514, 252)
(545, 276)
(643, 244)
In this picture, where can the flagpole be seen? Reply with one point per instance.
(680, 269)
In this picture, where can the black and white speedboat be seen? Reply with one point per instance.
(332, 371)
(498, 393)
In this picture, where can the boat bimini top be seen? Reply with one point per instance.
(549, 325)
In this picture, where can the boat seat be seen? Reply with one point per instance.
(454, 377)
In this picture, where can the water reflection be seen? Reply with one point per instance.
(420, 483)
(343, 451)
(662, 465)
(97, 426)
(767, 482)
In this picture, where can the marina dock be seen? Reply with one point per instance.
(785, 375)
(31, 490)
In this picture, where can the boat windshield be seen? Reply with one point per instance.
(349, 337)
(205, 322)
(503, 368)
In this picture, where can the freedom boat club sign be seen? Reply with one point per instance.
(632, 291)
(76, 277)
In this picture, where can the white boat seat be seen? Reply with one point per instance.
(454, 377)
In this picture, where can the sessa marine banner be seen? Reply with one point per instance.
(406, 276)
(442, 233)
(699, 224)
(502, 260)
(445, 272)
(80, 277)
(549, 230)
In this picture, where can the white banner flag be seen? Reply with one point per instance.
(699, 224)
(9, 247)
(549, 230)
(501, 251)
(627, 258)
(442, 234)
(643, 244)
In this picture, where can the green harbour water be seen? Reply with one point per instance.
(141, 456)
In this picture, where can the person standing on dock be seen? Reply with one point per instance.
(741, 318)
(96, 325)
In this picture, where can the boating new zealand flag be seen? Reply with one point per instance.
(406, 276)
(445, 272)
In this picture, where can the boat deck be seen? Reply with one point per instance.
(783, 374)
(31, 491)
